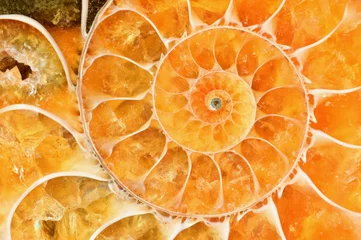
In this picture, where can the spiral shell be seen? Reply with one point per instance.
(180, 119)
(193, 125)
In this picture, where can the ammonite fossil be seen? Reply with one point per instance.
(180, 119)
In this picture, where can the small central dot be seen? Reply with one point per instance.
(216, 103)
